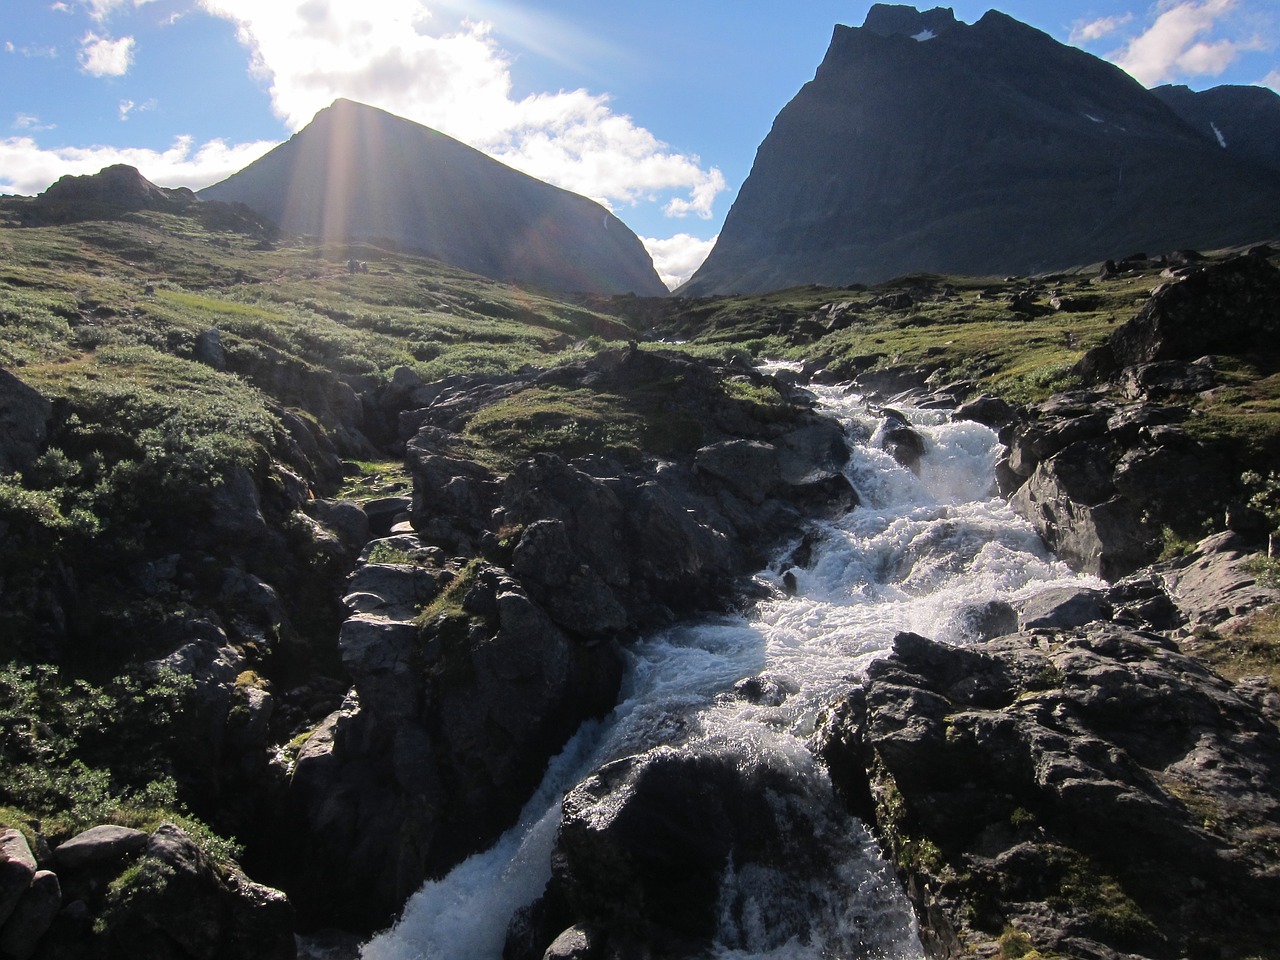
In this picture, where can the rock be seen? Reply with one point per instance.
(24, 423)
(208, 349)
(575, 943)
(32, 917)
(1003, 754)
(749, 468)
(206, 912)
(385, 511)
(382, 655)
(98, 845)
(17, 869)
(1213, 583)
(346, 518)
(1156, 381)
(397, 591)
(1062, 608)
(453, 500)
(1071, 502)
(983, 621)
(1226, 307)
(987, 410)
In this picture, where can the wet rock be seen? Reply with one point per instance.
(669, 849)
(983, 621)
(987, 410)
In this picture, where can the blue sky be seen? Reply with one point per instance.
(653, 107)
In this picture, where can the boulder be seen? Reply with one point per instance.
(1071, 502)
(1063, 607)
(17, 870)
(671, 849)
(32, 917)
(100, 845)
(1227, 307)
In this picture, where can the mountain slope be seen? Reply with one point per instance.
(1244, 121)
(359, 173)
(923, 143)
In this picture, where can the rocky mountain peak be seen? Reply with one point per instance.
(990, 150)
(120, 186)
(360, 173)
(894, 19)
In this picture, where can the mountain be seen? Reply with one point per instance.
(359, 173)
(927, 144)
(1244, 121)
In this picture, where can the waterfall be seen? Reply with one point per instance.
(920, 550)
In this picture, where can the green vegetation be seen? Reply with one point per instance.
(1005, 336)
(74, 754)
(1084, 888)
(365, 480)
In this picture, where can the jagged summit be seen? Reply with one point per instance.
(989, 149)
(896, 19)
(359, 173)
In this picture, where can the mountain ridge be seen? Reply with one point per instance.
(359, 173)
(900, 156)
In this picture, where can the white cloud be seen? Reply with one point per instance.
(28, 169)
(392, 55)
(1175, 45)
(102, 9)
(1272, 80)
(104, 57)
(676, 258)
(29, 121)
(1083, 31)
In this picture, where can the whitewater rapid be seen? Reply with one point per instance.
(917, 552)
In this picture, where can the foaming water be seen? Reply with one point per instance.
(919, 551)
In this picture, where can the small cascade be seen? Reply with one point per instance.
(923, 550)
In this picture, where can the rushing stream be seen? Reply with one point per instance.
(916, 554)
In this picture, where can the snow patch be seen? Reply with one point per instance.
(1222, 141)
(1090, 116)
(923, 35)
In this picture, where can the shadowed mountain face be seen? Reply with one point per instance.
(926, 144)
(359, 173)
(1244, 121)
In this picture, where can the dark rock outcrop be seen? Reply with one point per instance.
(660, 853)
(925, 144)
(1094, 790)
(1106, 474)
(24, 423)
(418, 188)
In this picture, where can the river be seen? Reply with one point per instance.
(920, 551)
